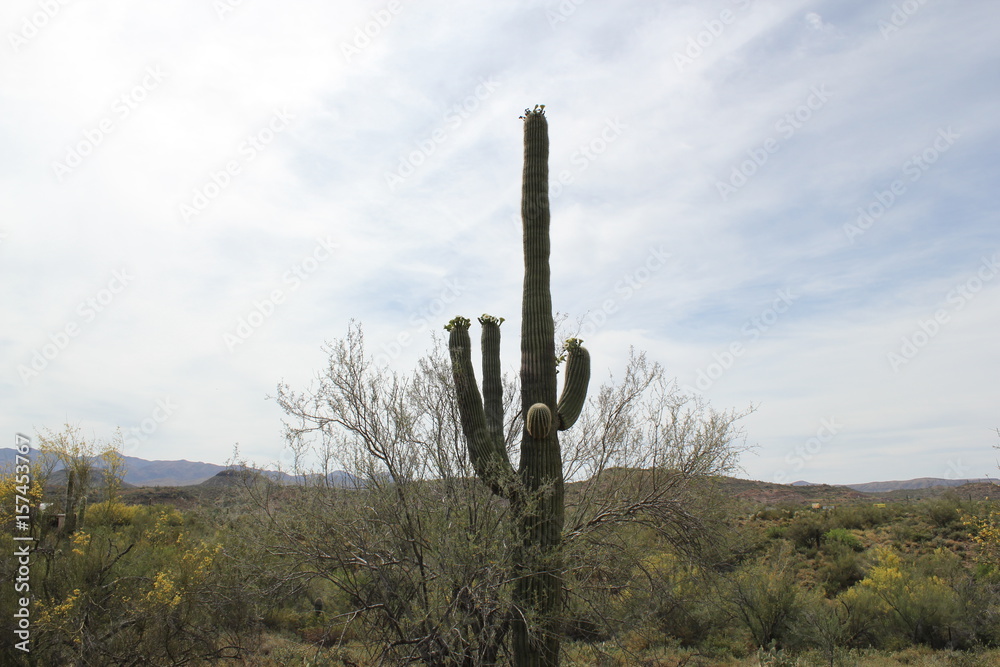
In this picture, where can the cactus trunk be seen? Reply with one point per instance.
(539, 586)
(536, 491)
(70, 505)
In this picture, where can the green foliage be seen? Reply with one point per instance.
(776, 513)
(945, 512)
(922, 601)
(765, 598)
(776, 532)
(843, 537)
(911, 530)
(807, 529)
(113, 513)
(840, 567)
(155, 585)
(134, 583)
(860, 516)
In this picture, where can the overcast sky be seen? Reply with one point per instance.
(789, 204)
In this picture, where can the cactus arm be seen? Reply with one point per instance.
(492, 376)
(574, 393)
(486, 453)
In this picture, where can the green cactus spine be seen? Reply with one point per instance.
(536, 489)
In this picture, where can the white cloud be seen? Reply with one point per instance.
(650, 110)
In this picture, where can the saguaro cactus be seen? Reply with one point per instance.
(70, 504)
(535, 489)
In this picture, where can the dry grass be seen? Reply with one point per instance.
(281, 650)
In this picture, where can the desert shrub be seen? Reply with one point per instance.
(841, 568)
(775, 513)
(983, 526)
(944, 512)
(900, 603)
(823, 625)
(807, 529)
(843, 537)
(683, 607)
(908, 530)
(764, 597)
(775, 532)
(113, 593)
(111, 513)
(859, 517)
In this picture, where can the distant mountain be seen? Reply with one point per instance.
(904, 485)
(235, 477)
(97, 479)
(915, 484)
(168, 473)
(140, 472)
(8, 454)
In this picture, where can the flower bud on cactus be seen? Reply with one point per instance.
(539, 420)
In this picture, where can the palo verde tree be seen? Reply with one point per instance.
(536, 489)
(82, 458)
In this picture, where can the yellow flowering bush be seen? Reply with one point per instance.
(10, 489)
(985, 531)
(903, 606)
(112, 513)
(80, 541)
(164, 591)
